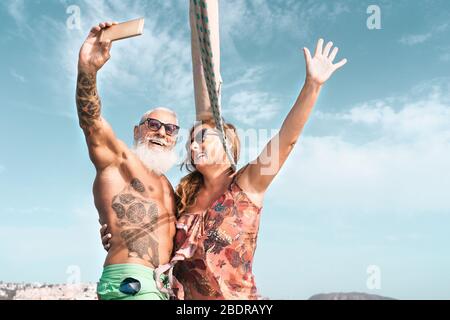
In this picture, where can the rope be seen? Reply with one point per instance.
(203, 26)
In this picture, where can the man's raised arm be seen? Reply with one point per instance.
(104, 147)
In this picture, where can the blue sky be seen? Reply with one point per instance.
(366, 185)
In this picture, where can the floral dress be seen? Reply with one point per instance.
(214, 251)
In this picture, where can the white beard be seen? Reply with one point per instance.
(159, 161)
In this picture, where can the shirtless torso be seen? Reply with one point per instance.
(136, 203)
(138, 207)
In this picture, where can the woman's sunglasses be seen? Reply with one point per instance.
(155, 125)
(201, 135)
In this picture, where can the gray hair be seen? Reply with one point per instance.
(145, 115)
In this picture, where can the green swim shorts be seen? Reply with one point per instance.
(128, 282)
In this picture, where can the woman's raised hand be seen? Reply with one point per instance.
(320, 67)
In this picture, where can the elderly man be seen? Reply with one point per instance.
(131, 194)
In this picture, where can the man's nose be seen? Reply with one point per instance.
(162, 131)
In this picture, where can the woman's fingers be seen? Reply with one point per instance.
(319, 47)
(333, 54)
(327, 49)
(103, 230)
(340, 64)
(106, 238)
(307, 55)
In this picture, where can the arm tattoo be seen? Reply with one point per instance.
(88, 101)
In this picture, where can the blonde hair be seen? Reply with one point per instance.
(189, 186)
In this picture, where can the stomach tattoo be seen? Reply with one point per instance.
(138, 218)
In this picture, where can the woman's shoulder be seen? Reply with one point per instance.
(241, 185)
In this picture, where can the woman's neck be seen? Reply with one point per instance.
(215, 177)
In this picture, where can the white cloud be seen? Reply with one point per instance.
(156, 65)
(157, 62)
(16, 9)
(442, 27)
(445, 57)
(54, 237)
(413, 39)
(251, 76)
(245, 19)
(28, 211)
(417, 120)
(403, 170)
(250, 107)
(338, 9)
(50, 250)
(17, 76)
(243, 102)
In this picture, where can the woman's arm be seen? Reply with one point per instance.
(260, 173)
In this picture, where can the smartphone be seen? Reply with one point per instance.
(123, 30)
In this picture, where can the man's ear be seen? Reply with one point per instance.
(136, 134)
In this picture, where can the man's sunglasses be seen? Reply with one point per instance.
(155, 125)
(201, 135)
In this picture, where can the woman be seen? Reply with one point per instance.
(219, 209)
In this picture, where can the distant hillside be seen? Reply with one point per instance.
(348, 296)
(87, 291)
(38, 291)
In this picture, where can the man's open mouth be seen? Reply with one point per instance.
(157, 142)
